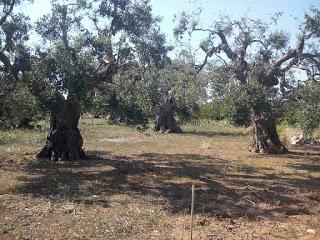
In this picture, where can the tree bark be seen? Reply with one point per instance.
(265, 136)
(64, 141)
(165, 121)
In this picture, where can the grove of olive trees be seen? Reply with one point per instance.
(109, 58)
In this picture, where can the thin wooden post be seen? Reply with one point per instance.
(192, 210)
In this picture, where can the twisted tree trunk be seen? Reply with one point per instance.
(64, 141)
(165, 121)
(265, 136)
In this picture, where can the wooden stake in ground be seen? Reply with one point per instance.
(192, 210)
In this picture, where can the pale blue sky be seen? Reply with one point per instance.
(293, 11)
(254, 8)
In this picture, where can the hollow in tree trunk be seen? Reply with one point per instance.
(64, 141)
(265, 136)
(165, 121)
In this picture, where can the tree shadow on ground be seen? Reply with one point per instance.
(215, 134)
(222, 190)
(300, 154)
(308, 147)
(307, 167)
(306, 151)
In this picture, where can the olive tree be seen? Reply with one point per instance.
(87, 44)
(257, 57)
(183, 92)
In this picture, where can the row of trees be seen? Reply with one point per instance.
(110, 58)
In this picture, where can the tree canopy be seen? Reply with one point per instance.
(256, 57)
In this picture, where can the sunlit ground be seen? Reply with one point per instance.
(136, 185)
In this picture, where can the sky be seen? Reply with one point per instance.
(211, 9)
(293, 12)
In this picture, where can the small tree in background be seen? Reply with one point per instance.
(183, 91)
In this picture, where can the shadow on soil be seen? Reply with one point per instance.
(215, 134)
(221, 191)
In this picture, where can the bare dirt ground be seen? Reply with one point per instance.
(138, 186)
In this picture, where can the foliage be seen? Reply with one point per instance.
(212, 110)
(118, 110)
(235, 108)
(19, 108)
(306, 108)
(134, 98)
(249, 57)
(187, 88)
(14, 32)
(82, 38)
(240, 100)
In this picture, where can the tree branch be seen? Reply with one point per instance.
(290, 54)
(203, 30)
(7, 13)
(208, 54)
(225, 46)
(8, 66)
(275, 70)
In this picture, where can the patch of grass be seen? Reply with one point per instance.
(21, 141)
(5, 229)
(211, 126)
(317, 209)
(272, 176)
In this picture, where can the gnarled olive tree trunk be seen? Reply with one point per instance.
(64, 141)
(165, 121)
(265, 136)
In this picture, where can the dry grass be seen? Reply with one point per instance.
(137, 186)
